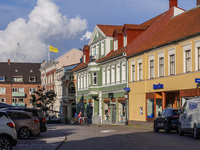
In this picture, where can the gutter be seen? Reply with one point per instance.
(189, 36)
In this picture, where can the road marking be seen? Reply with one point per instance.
(107, 131)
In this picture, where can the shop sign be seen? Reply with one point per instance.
(197, 80)
(158, 86)
(127, 89)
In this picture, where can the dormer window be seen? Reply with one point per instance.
(17, 79)
(32, 79)
(125, 40)
(115, 45)
(2, 78)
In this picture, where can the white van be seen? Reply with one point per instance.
(189, 119)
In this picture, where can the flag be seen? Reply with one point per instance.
(53, 49)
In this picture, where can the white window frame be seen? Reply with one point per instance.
(33, 78)
(85, 81)
(21, 90)
(197, 45)
(139, 61)
(187, 47)
(123, 71)
(171, 52)
(15, 91)
(125, 40)
(151, 58)
(108, 75)
(115, 45)
(94, 76)
(113, 74)
(133, 75)
(118, 73)
(161, 55)
(31, 90)
(104, 76)
(14, 100)
(102, 48)
(79, 82)
(22, 100)
(3, 78)
(3, 99)
(2, 90)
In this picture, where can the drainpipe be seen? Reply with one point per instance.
(127, 79)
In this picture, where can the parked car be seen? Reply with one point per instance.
(8, 135)
(36, 112)
(167, 120)
(4, 105)
(26, 123)
(189, 121)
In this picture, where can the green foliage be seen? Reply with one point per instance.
(43, 99)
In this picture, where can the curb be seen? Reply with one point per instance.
(65, 140)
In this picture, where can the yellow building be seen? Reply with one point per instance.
(164, 64)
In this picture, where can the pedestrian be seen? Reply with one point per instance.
(80, 115)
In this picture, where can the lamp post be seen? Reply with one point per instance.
(126, 102)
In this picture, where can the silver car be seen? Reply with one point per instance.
(26, 123)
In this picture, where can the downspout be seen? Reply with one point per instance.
(127, 79)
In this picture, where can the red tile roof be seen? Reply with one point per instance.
(178, 27)
(80, 66)
(108, 29)
(136, 26)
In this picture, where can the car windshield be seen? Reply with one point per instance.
(175, 112)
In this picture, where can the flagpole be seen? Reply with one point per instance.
(48, 55)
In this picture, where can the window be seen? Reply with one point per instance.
(89, 79)
(14, 90)
(118, 73)
(2, 90)
(140, 71)
(32, 90)
(113, 75)
(151, 69)
(81, 81)
(125, 40)
(104, 76)
(21, 100)
(115, 45)
(94, 78)
(32, 79)
(14, 100)
(2, 78)
(108, 75)
(133, 73)
(123, 71)
(85, 81)
(102, 48)
(21, 90)
(30, 101)
(2, 100)
(188, 60)
(172, 64)
(17, 79)
(161, 66)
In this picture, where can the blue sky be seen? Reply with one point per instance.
(73, 18)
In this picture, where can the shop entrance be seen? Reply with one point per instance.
(113, 107)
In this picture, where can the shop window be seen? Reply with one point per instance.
(107, 112)
(122, 112)
(150, 108)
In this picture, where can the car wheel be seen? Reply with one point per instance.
(5, 143)
(180, 131)
(166, 127)
(155, 127)
(195, 133)
(24, 133)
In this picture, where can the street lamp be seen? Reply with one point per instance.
(126, 102)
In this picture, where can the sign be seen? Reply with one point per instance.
(158, 86)
(127, 89)
(197, 80)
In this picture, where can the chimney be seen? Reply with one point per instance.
(173, 3)
(8, 61)
(198, 2)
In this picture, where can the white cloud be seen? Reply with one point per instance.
(44, 23)
(87, 35)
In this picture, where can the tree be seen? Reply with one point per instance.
(43, 99)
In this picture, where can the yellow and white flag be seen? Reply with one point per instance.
(53, 49)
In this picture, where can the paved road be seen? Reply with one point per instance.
(106, 137)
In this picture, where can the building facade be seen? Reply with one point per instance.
(18, 81)
(164, 67)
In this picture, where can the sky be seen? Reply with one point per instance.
(27, 27)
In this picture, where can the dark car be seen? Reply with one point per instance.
(26, 123)
(36, 112)
(167, 120)
(4, 105)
